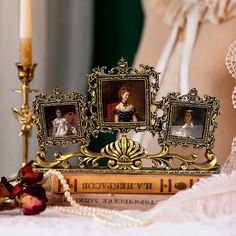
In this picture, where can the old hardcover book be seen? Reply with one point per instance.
(142, 202)
(105, 183)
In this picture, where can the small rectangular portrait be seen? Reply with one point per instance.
(61, 121)
(188, 122)
(60, 118)
(123, 100)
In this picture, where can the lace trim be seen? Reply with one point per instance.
(230, 163)
(214, 11)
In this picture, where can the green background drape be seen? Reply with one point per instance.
(117, 31)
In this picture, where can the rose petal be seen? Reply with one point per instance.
(5, 187)
(16, 191)
(28, 175)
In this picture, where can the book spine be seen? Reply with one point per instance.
(140, 202)
(125, 184)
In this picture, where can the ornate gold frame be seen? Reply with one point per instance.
(58, 99)
(211, 105)
(124, 74)
(191, 100)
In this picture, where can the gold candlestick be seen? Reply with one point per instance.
(24, 115)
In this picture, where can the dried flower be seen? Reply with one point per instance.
(27, 193)
(33, 200)
(28, 175)
(17, 190)
(5, 188)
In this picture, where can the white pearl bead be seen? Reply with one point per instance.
(60, 177)
(69, 198)
(73, 203)
(67, 194)
(66, 187)
(63, 182)
(45, 175)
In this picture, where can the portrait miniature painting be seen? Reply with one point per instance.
(61, 121)
(188, 122)
(123, 101)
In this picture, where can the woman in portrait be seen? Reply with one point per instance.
(124, 112)
(187, 129)
(188, 126)
(59, 124)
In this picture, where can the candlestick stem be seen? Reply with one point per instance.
(24, 115)
(25, 149)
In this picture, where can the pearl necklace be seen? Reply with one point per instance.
(99, 214)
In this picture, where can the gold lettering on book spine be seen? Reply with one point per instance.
(162, 185)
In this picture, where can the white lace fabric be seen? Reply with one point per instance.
(230, 163)
(213, 11)
(210, 198)
(230, 60)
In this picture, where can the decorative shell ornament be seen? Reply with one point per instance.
(230, 62)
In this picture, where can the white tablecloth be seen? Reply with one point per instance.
(52, 222)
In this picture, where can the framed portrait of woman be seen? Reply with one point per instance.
(121, 103)
(122, 97)
(60, 118)
(189, 120)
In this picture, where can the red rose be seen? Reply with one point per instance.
(28, 175)
(26, 194)
(33, 199)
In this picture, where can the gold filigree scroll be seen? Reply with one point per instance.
(126, 156)
(187, 162)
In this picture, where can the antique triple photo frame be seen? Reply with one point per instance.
(124, 99)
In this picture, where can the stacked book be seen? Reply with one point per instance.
(119, 191)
